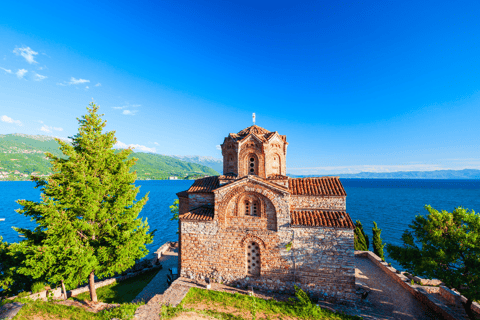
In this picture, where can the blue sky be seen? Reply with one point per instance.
(355, 86)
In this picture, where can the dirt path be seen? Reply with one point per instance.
(387, 300)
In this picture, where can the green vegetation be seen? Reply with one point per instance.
(445, 246)
(377, 241)
(48, 310)
(223, 305)
(124, 291)
(360, 240)
(87, 219)
(25, 154)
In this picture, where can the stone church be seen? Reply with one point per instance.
(255, 226)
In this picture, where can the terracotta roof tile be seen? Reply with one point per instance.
(182, 194)
(277, 177)
(319, 218)
(204, 213)
(323, 186)
(207, 184)
(228, 176)
(254, 129)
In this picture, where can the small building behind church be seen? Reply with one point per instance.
(255, 226)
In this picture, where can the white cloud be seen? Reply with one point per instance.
(365, 168)
(77, 81)
(118, 108)
(61, 84)
(219, 147)
(20, 73)
(129, 112)
(40, 121)
(27, 53)
(46, 128)
(10, 120)
(98, 85)
(136, 147)
(39, 77)
(6, 70)
(156, 143)
(87, 87)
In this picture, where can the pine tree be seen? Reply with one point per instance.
(359, 242)
(377, 241)
(87, 218)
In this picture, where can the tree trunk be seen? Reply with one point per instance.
(468, 309)
(91, 284)
(64, 291)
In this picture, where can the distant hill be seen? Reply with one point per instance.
(21, 155)
(214, 163)
(437, 174)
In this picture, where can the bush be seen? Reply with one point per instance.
(37, 287)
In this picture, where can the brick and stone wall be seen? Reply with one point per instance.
(318, 202)
(196, 200)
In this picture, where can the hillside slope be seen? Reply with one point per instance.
(211, 162)
(21, 155)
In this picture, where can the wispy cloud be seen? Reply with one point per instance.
(7, 119)
(219, 147)
(61, 84)
(78, 81)
(20, 73)
(136, 147)
(27, 53)
(87, 87)
(98, 85)
(365, 168)
(129, 112)
(46, 128)
(156, 143)
(127, 109)
(38, 77)
(6, 70)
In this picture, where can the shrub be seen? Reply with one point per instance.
(38, 286)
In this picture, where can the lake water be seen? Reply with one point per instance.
(392, 203)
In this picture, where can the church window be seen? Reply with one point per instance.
(247, 208)
(255, 208)
(253, 258)
(251, 167)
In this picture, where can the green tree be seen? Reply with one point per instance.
(359, 241)
(11, 282)
(175, 213)
(87, 219)
(377, 241)
(446, 246)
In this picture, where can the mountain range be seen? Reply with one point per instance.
(437, 174)
(22, 155)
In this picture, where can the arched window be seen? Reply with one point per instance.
(253, 258)
(252, 165)
(276, 164)
(255, 209)
(247, 207)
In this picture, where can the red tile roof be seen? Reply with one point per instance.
(324, 186)
(319, 218)
(277, 177)
(207, 184)
(204, 213)
(228, 176)
(182, 194)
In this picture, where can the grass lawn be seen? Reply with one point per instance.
(34, 310)
(223, 305)
(124, 291)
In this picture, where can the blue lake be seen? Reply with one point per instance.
(392, 203)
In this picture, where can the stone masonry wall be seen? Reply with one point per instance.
(323, 258)
(196, 200)
(317, 202)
